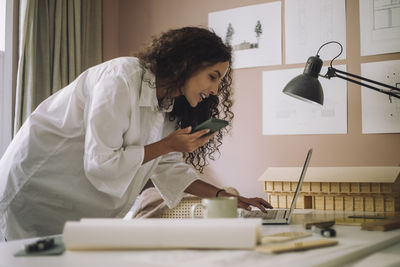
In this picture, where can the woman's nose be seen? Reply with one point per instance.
(214, 90)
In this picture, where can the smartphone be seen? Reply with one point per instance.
(213, 124)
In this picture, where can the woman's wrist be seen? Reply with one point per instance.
(156, 149)
(224, 193)
(165, 146)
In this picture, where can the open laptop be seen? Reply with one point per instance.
(282, 216)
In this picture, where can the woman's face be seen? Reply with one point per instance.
(204, 83)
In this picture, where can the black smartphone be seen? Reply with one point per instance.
(213, 124)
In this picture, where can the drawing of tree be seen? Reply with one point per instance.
(258, 30)
(229, 33)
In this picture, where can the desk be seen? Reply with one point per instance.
(356, 248)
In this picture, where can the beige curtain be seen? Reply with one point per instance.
(59, 39)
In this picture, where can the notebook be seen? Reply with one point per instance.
(281, 216)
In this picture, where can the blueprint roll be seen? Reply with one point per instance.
(104, 234)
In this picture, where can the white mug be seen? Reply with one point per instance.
(217, 207)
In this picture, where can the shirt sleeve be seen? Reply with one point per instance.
(109, 166)
(172, 176)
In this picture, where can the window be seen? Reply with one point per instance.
(6, 72)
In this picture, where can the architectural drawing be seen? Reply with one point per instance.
(380, 112)
(311, 23)
(285, 115)
(254, 32)
(386, 14)
(244, 44)
(379, 26)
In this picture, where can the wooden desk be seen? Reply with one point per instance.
(356, 248)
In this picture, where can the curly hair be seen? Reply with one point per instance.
(174, 57)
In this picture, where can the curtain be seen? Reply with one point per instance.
(58, 40)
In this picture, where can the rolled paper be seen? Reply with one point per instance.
(112, 234)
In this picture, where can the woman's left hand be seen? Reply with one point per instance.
(246, 203)
(203, 189)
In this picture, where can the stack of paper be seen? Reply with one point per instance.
(224, 233)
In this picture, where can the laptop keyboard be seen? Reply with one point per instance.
(270, 214)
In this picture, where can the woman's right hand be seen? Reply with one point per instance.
(182, 140)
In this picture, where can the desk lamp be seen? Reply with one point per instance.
(306, 86)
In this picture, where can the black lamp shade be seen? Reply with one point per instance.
(306, 86)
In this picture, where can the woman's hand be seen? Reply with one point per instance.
(205, 190)
(246, 203)
(182, 140)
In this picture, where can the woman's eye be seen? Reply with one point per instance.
(212, 77)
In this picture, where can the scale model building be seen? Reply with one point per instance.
(375, 189)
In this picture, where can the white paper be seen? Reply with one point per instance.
(224, 233)
(243, 21)
(380, 113)
(285, 115)
(311, 23)
(379, 26)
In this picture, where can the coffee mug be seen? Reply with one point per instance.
(217, 207)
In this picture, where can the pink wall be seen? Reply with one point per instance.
(110, 29)
(246, 153)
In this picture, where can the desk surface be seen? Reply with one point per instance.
(356, 248)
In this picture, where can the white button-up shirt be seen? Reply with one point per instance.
(80, 153)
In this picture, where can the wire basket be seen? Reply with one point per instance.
(183, 209)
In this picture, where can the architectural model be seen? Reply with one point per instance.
(374, 189)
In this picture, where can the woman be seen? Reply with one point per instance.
(89, 149)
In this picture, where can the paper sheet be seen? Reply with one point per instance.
(311, 23)
(253, 31)
(379, 26)
(380, 113)
(90, 234)
(285, 115)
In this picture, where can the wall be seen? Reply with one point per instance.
(246, 153)
(110, 29)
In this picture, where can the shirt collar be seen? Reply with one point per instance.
(148, 94)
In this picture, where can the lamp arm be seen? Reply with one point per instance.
(332, 73)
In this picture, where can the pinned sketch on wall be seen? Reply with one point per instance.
(285, 115)
(379, 26)
(311, 23)
(254, 32)
(380, 112)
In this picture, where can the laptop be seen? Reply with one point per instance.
(282, 216)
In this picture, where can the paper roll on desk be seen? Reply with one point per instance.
(103, 234)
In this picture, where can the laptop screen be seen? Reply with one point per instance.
(303, 174)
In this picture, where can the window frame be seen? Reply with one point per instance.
(7, 94)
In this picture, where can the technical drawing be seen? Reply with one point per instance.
(381, 113)
(254, 32)
(386, 14)
(309, 24)
(379, 27)
(243, 45)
